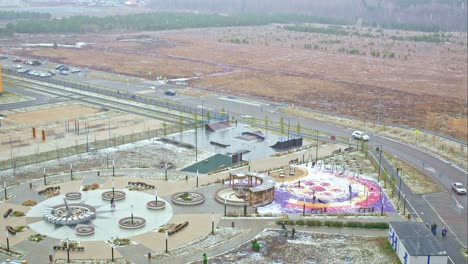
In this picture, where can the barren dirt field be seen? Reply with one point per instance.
(423, 84)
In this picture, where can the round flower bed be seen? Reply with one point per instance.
(126, 222)
(118, 195)
(73, 195)
(153, 206)
(29, 203)
(84, 230)
(188, 198)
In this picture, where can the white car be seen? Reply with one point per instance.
(360, 135)
(17, 66)
(458, 187)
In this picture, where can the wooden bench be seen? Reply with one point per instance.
(71, 248)
(11, 230)
(142, 184)
(51, 188)
(366, 209)
(177, 228)
(7, 213)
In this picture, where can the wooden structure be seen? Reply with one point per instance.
(255, 188)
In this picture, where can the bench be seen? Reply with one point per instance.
(366, 209)
(177, 228)
(7, 213)
(71, 248)
(51, 188)
(142, 184)
(318, 210)
(11, 230)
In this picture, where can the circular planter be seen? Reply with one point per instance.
(73, 195)
(126, 222)
(84, 230)
(153, 206)
(118, 195)
(188, 198)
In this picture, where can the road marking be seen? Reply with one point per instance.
(145, 92)
(430, 169)
(243, 101)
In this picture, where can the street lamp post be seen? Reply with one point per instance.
(68, 250)
(113, 168)
(225, 205)
(45, 181)
(71, 172)
(131, 213)
(167, 235)
(7, 235)
(212, 223)
(156, 196)
(165, 170)
(113, 188)
(316, 146)
(379, 149)
(112, 249)
(5, 189)
(404, 204)
(399, 188)
(303, 207)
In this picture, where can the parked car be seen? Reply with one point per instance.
(3, 57)
(458, 187)
(170, 93)
(360, 135)
(17, 60)
(23, 70)
(52, 73)
(75, 70)
(62, 68)
(63, 72)
(17, 66)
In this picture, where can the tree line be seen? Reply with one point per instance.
(13, 15)
(156, 21)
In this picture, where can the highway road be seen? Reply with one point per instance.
(445, 208)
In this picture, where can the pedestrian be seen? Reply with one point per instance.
(313, 199)
(112, 202)
(293, 232)
(205, 259)
(283, 226)
(444, 232)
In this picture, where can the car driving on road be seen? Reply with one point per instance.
(458, 188)
(360, 135)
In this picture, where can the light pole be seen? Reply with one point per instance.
(113, 168)
(165, 170)
(5, 188)
(316, 146)
(71, 172)
(399, 188)
(379, 149)
(112, 249)
(131, 212)
(250, 161)
(404, 204)
(7, 235)
(225, 205)
(303, 207)
(113, 188)
(167, 235)
(45, 181)
(212, 223)
(156, 196)
(68, 250)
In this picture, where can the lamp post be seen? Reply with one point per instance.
(113, 188)
(7, 235)
(113, 168)
(45, 181)
(225, 205)
(212, 223)
(404, 204)
(167, 235)
(71, 171)
(399, 188)
(5, 188)
(250, 161)
(379, 149)
(112, 249)
(156, 196)
(316, 146)
(303, 207)
(131, 212)
(68, 250)
(165, 170)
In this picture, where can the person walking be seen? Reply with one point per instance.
(205, 258)
(444, 232)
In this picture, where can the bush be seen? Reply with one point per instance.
(377, 225)
(286, 221)
(354, 224)
(17, 213)
(255, 245)
(29, 203)
(314, 223)
(333, 223)
(300, 222)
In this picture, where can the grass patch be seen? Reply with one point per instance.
(414, 179)
(386, 248)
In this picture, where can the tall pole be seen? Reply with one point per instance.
(87, 143)
(197, 178)
(303, 207)
(165, 170)
(212, 223)
(5, 188)
(404, 205)
(196, 142)
(68, 250)
(250, 161)
(380, 162)
(225, 205)
(131, 210)
(399, 188)
(156, 196)
(7, 235)
(45, 181)
(113, 188)
(167, 235)
(202, 117)
(71, 172)
(113, 168)
(316, 147)
(112, 249)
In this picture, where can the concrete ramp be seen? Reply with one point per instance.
(218, 126)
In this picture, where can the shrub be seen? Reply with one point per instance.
(255, 245)
(314, 223)
(29, 203)
(333, 223)
(286, 221)
(36, 238)
(19, 228)
(17, 213)
(354, 224)
(377, 225)
(300, 222)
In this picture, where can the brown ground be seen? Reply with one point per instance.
(423, 86)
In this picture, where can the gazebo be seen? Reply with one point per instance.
(255, 188)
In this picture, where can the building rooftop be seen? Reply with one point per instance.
(418, 239)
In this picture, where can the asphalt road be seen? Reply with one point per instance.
(444, 208)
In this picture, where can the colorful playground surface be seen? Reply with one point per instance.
(325, 191)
